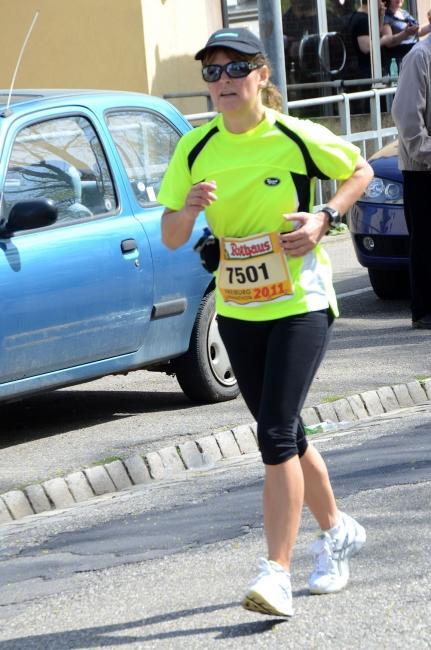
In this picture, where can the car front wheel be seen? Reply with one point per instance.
(389, 284)
(204, 371)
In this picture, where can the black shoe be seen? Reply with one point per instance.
(423, 323)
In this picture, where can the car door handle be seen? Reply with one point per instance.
(128, 245)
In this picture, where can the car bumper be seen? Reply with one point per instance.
(379, 235)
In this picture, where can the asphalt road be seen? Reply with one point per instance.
(164, 566)
(69, 429)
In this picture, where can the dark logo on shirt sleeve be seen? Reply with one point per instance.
(272, 181)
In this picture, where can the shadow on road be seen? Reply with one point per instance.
(114, 635)
(62, 411)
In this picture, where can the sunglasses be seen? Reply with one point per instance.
(233, 69)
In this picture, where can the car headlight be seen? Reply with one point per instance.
(381, 190)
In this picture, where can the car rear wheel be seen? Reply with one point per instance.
(204, 371)
(389, 284)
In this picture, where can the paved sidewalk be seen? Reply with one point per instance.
(204, 452)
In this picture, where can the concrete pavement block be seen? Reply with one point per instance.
(5, 515)
(192, 457)
(227, 443)
(59, 493)
(309, 416)
(17, 503)
(79, 486)
(99, 480)
(137, 469)
(210, 450)
(118, 475)
(326, 412)
(37, 497)
(372, 402)
(171, 460)
(253, 427)
(357, 406)
(343, 410)
(403, 396)
(417, 393)
(427, 387)
(155, 465)
(245, 439)
(388, 399)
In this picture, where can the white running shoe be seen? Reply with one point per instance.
(271, 592)
(332, 553)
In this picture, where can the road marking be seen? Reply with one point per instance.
(355, 292)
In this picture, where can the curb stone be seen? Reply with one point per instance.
(118, 474)
(388, 399)
(155, 465)
(417, 393)
(358, 406)
(78, 485)
(372, 402)
(403, 396)
(202, 453)
(211, 452)
(58, 492)
(17, 503)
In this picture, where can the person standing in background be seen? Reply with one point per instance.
(398, 19)
(360, 35)
(411, 112)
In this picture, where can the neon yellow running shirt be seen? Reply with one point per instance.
(260, 175)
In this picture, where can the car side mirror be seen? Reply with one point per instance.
(28, 215)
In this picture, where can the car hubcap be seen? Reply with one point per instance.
(218, 358)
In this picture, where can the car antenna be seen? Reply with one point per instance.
(7, 110)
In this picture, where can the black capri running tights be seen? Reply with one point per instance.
(275, 362)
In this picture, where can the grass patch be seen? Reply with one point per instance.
(105, 461)
(338, 229)
(332, 398)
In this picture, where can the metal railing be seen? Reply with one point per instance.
(376, 135)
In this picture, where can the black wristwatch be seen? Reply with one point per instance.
(333, 214)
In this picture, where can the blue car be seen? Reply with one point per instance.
(378, 227)
(87, 288)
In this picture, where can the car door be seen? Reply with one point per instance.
(79, 291)
(145, 139)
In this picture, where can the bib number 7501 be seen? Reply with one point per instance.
(248, 273)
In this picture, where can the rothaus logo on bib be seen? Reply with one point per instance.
(237, 250)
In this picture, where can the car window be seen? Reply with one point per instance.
(145, 142)
(62, 160)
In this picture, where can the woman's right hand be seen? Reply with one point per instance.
(177, 225)
(200, 196)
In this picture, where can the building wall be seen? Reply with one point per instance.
(174, 30)
(143, 45)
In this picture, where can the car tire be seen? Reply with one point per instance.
(204, 372)
(389, 284)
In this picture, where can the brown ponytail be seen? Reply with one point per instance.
(271, 95)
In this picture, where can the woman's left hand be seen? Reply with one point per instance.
(309, 230)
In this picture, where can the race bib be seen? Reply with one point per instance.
(253, 270)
